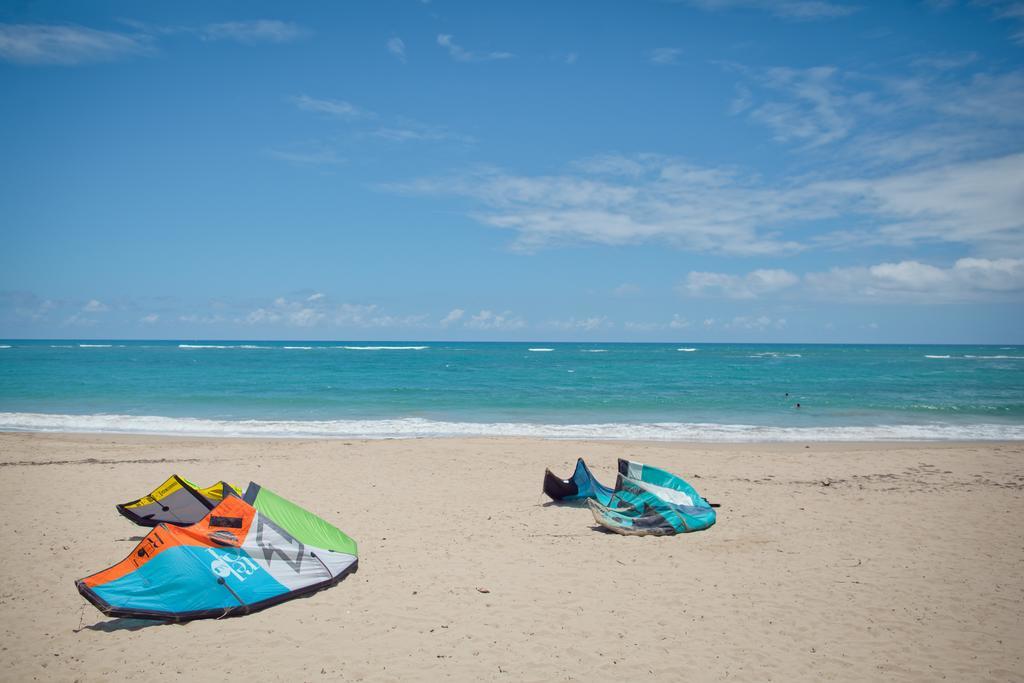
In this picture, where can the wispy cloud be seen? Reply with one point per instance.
(314, 154)
(406, 130)
(461, 54)
(150, 319)
(336, 108)
(320, 311)
(453, 317)
(46, 44)
(251, 32)
(731, 286)
(925, 111)
(397, 129)
(68, 45)
(693, 208)
(665, 55)
(814, 111)
(976, 203)
(803, 10)
(652, 198)
(396, 46)
(598, 322)
(489, 320)
(95, 306)
(967, 279)
(749, 322)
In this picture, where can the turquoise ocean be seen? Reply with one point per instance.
(688, 392)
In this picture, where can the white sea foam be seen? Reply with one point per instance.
(202, 346)
(996, 357)
(417, 427)
(688, 350)
(5, 346)
(62, 346)
(931, 356)
(539, 350)
(383, 348)
(594, 350)
(94, 346)
(298, 348)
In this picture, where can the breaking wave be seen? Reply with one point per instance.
(383, 348)
(540, 350)
(418, 427)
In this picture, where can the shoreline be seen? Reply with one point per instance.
(828, 561)
(418, 427)
(214, 439)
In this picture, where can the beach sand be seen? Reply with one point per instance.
(894, 561)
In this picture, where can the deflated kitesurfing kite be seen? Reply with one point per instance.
(244, 555)
(176, 501)
(645, 501)
(580, 486)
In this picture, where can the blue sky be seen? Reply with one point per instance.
(699, 170)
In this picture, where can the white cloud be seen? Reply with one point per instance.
(747, 286)
(336, 108)
(315, 311)
(489, 320)
(396, 46)
(929, 112)
(406, 130)
(814, 112)
(460, 54)
(968, 279)
(586, 324)
(663, 199)
(678, 322)
(787, 9)
(665, 55)
(634, 326)
(149, 319)
(453, 316)
(66, 45)
(95, 306)
(202, 319)
(761, 322)
(977, 202)
(257, 31)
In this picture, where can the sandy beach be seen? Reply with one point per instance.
(897, 561)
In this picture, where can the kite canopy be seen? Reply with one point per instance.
(237, 559)
(176, 501)
(645, 501)
(640, 507)
(580, 486)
